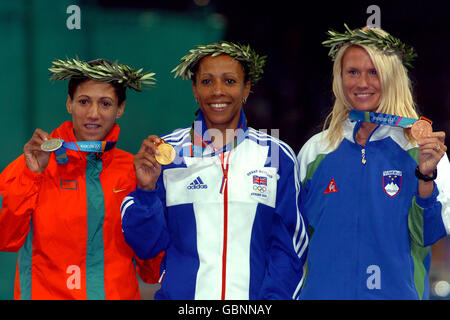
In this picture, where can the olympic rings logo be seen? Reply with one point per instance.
(259, 188)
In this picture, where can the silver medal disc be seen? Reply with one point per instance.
(51, 145)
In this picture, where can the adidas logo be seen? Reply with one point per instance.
(197, 184)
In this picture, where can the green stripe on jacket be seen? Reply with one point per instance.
(25, 263)
(312, 167)
(418, 251)
(95, 275)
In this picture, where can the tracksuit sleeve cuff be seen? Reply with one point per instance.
(29, 176)
(146, 197)
(429, 201)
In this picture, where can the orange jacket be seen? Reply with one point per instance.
(66, 225)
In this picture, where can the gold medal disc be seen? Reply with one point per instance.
(166, 154)
(420, 129)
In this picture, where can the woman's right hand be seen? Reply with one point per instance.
(146, 167)
(35, 158)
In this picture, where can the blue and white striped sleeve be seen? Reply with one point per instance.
(288, 252)
(143, 222)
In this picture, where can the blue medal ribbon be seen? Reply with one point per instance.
(381, 118)
(85, 146)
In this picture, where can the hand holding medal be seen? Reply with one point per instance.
(153, 153)
(431, 148)
(35, 157)
(431, 144)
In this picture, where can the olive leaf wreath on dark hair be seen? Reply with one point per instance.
(104, 71)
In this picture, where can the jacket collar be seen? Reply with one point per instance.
(201, 140)
(350, 128)
(65, 132)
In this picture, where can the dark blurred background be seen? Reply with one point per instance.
(294, 95)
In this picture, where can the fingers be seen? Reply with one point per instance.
(40, 134)
(430, 153)
(34, 144)
(36, 159)
(145, 159)
(145, 164)
(147, 152)
(440, 135)
(433, 144)
(150, 145)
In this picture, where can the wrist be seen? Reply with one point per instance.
(425, 177)
(149, 187)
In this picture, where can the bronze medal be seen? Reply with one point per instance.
(51, 145)
(166, 154)
(420, 129)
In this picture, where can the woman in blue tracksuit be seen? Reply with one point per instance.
(225, 210)
(372, 197)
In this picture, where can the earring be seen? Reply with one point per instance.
(196, 100)
(244, 101)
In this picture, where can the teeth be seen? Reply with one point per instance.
(92, 126)
(363, 94)
(218, 105)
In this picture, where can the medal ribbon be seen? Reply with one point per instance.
(85, 146)
(199, 144)
(382, 118)
(198, 149)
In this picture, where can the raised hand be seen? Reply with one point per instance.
(146, 167)
(36, 159)
(431, 149)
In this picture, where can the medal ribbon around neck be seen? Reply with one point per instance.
(84, 146)
(199, 144)
(420, 128)
(382, 118)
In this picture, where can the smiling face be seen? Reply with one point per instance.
(220, 89)
(360, 80)
(94, 109)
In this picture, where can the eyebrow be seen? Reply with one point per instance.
(84, 95)
(224, 74)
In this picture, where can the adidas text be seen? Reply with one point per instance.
(198, 186)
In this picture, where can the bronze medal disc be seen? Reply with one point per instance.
(166, 154)
(51, 145)
(420, 129)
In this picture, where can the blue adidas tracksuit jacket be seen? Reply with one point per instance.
(228, 219)
(369, 230)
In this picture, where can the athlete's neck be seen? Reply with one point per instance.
(364, 132)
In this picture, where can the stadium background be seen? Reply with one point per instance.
(293, 96)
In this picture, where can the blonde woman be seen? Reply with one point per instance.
(374, 190)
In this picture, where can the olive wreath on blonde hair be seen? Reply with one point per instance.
(370, 37)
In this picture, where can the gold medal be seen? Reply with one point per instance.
(421, 128)
(166, 154)
(51, 145)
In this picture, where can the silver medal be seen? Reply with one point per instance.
(51, 145)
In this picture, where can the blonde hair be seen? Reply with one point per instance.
(396, 90)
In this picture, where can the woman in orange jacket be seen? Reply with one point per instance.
(61, 209)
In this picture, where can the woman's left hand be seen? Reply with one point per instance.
(431, 150)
